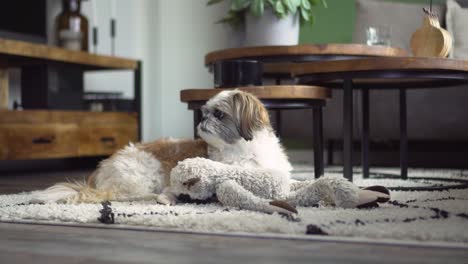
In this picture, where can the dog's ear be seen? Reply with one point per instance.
(250, 113)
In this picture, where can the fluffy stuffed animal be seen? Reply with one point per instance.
(265, 190)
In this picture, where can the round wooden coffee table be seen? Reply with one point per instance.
(274, 97)
(400, 73)
(275, 58)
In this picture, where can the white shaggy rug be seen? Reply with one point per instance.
(410, 215)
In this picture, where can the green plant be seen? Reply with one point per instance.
(281, 8)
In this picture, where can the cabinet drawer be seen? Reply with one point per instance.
(26, 141)
(105, 139)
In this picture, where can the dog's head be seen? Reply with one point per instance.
(230, 116)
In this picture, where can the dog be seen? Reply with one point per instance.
(235, 130)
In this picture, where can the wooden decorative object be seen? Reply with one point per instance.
(4, 88)
(431, 40)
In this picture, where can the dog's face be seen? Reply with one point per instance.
(231, 116)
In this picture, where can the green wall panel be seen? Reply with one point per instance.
(335, 24)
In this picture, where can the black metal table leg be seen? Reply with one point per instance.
(365, 133)
(318, 141)
(278, 81)
(278, 122)
(197, 117)
(348, 129)
(403, 136)
(278, 113)
(330, 149)
(137, 79)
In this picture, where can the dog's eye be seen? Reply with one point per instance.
(218, 114)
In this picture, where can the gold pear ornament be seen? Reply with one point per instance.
(430, 40)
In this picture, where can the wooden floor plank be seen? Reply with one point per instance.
(37, 243)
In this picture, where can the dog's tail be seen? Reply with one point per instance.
(72, 192)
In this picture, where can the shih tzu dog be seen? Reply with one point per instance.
(235, 130)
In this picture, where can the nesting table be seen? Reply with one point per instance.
(399, 73)
(274, 97)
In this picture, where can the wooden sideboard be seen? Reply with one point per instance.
(44, 133)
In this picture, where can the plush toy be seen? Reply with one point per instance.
(265, 190)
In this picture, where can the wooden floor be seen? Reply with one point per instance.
(23, 243)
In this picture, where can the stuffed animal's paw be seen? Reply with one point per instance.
(370, 197)
(166, 198)
(280, 207)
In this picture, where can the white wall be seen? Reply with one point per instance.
(186, 31)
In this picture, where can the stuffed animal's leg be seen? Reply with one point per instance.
(333, 190)
(230, 193)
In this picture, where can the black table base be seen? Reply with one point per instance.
(345, 81)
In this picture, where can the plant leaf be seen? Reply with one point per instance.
(296, 3)
(212, 2)
(289, 5)
(279, 8)
(238, 5)
(304, 14)
(324, 3)
(257, 7)
(305, 4)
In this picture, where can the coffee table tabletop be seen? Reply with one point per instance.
(382, 72)
(380, 63)
(272, 92)
(307, 52)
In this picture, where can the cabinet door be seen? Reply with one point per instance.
(105, 139)
(26, 141)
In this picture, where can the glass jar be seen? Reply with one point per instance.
(72, 27)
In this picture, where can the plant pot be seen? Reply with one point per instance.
(270, 30)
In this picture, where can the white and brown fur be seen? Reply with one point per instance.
(235, 130)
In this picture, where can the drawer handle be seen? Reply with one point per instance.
(43, 140)
(109, 141)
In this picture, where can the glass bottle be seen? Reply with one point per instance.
(72, 26)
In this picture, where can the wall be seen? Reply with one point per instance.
(335, 24)
(185, 31)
